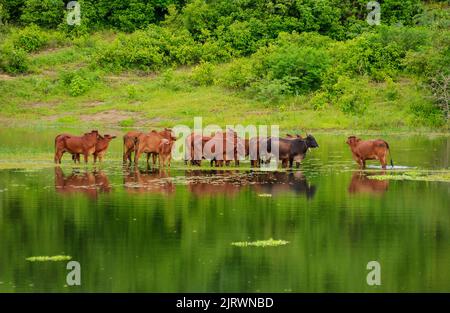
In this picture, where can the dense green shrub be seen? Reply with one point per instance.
(13, 60)
(290, 65)
(30, 38)
(78, 82)
(149, 50)
(202, 74)
(45, 13)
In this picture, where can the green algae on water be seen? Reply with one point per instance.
(261, 243)
(54, 258)
(439, 176)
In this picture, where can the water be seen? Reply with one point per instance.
(154, 231)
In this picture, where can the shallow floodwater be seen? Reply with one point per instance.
(151, 231)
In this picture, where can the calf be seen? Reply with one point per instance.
(129, 144)
(75, 145)
(363, 150)
(165, 152)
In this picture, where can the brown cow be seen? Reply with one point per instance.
(194, 145)
(149, 144)
(256, 145)
(363, 150)
(129, 144)
(131, 138)
(219, 149)
(165, 152)
(100, 148)
(75, 145)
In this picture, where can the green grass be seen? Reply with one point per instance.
(134, 99)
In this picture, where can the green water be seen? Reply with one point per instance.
(172, 232)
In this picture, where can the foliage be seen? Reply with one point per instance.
(78, 82)
(45, 13)
(12, 60)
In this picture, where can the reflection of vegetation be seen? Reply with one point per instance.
(54, 258)
(441, 176)
(261, 243)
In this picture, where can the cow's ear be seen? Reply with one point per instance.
(288, 135)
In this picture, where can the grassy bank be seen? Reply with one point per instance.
(136, 99)
(379, 80)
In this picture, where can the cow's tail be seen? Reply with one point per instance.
(390, 154)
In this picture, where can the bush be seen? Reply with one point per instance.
(296, 64)
(149, 50)
(30, 38)
(78, 82)
(45, 13)
(13, 60)
(269, 90)
(202, 74)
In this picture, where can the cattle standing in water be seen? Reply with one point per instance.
(289, 136)
(165, 152)
(75, 145)
(129, 144)
(100, 148)
(257, 148)
(194, 145)
(150, 143)
(363, 150)
(292, 149)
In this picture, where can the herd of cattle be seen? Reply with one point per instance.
(220, 149)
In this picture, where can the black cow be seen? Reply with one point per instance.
(292, 149)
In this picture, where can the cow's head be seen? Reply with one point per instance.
(93, 134)
(109, 137)
(168, 134)
(352, 140)
(311, 141)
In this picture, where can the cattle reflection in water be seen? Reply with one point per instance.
(211, 183)
(360, 183)
(229, 183)
(88, 183)
(148, 181)
(281, 182)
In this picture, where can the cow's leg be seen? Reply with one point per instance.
(86, 155)
(291, 162)
(154, 155)
(58, 156)
(383, 162)
(130, 153)
(137, 155)
(95, 158)
(148, 158)
(363, 164)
